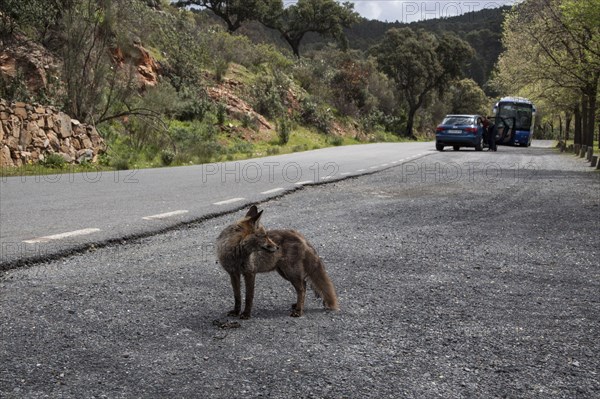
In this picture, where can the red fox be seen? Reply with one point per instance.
(246, 248)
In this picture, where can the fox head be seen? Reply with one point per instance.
(255, 236)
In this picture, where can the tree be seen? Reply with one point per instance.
(325, 17)
(552, 54)
(468, 98)
(420, 63)
(236, 12)
(38, 18)
(98, 87)
(582, 20)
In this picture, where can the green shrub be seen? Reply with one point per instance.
(377, 120)
(284, 130)
(194, 105)
(241, 147)
(195, 142)
(221, 68)
(221, 113)
(316, 116)
(167, 157)
(120, 163)
(336, 140)
(273, 150)
(270, 94)
(54, 161)
(241, 50)
(250, 122)
(299, 147)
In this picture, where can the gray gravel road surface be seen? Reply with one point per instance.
(460, 275)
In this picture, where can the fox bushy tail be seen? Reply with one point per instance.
(322, 285)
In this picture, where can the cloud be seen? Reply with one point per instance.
(368, 9)
(409, 11)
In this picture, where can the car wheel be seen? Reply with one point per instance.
(439, 147)
(479, 144)
(456, 148)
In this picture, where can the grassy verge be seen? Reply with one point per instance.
(42, 170)
(223, 148)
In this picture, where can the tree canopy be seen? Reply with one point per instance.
(325, 17)
(235, 12)
(421, 63)
(553, 55)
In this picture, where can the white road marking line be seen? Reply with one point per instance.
(61, 236)
(361, 170)
(373, 167)
(345, 173)
(274, 190)
(395, 162)
(229, 201)
(327, 177)
(384, 165)
(165, 215)
(300, 183)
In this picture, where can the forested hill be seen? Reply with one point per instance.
(482, 29)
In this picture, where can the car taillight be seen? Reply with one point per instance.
(439, 129)
(471, 130)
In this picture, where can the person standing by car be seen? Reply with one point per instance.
(490, 132)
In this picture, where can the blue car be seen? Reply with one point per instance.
(460, 131)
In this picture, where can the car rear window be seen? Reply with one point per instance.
(458, 120)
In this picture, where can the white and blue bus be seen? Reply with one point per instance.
(514, 119)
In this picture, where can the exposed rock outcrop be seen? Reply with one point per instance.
(236, 107)
(30, 132)
(148, 69)
(23, 59)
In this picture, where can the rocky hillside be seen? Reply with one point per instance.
(30, 133)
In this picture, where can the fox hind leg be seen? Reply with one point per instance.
(295, 303)
(298, 307)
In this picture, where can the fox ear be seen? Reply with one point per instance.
(252, 212)
(256, 218)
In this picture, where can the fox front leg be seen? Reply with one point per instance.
(237, 296)
(249, 282)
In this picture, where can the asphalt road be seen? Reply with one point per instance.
(46, 215)
(460, 275)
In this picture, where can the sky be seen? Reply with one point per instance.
(409, 11)
(415, 10)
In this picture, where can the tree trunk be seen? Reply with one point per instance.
(232, 26)
(577, 116)
(585, 128)
(560, 127)
(568, 117)
(591, 118)
(294, 42)
(296, 49)
(588, 119)
(412, 110)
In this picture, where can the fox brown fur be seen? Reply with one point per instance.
(246, 248)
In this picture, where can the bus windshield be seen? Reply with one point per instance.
(518, 114)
